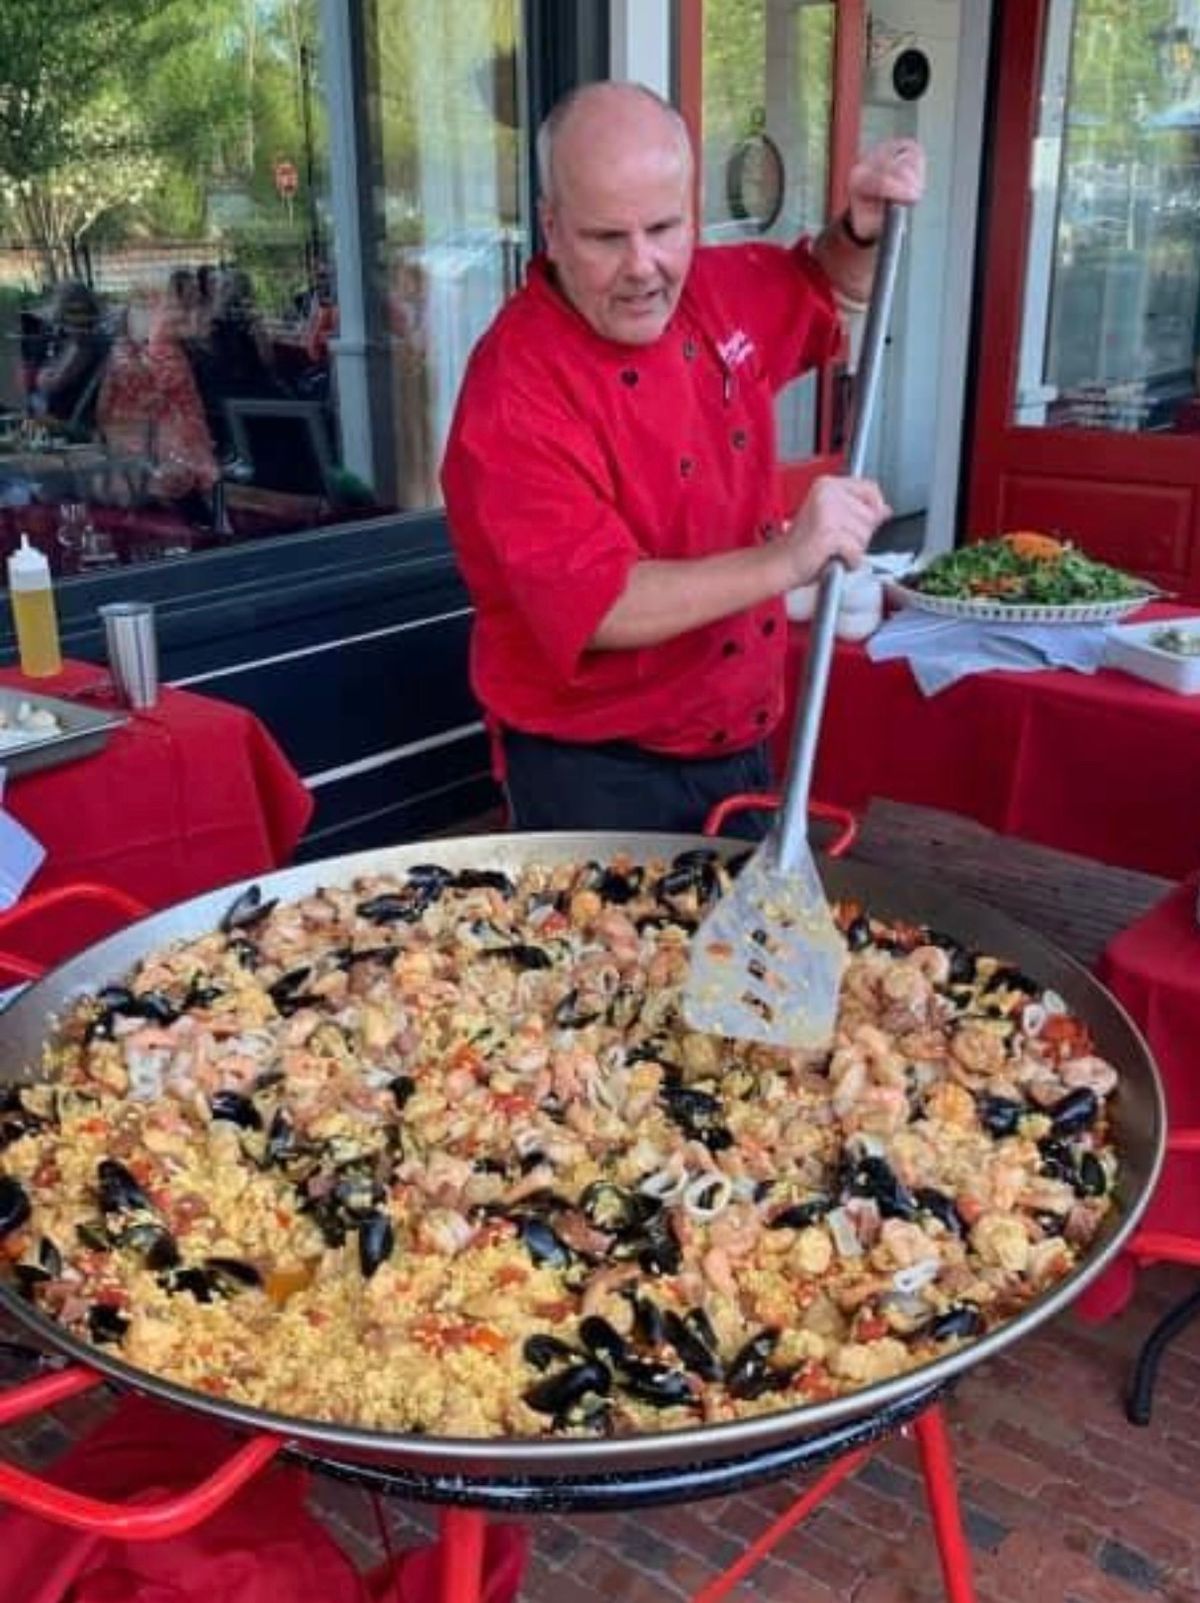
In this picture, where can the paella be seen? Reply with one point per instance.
(435, 1152)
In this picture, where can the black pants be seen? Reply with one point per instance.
(553, 784)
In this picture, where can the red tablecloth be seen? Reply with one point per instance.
(1153, 968)
(185, 797)
(1103, 765)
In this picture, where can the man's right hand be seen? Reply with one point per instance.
(837, 519)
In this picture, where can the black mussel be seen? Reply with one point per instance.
(231, 1275)
(430, 877)
(393, 907)
(560, 1392)
(402, 1087)
(1092, 1177)
(735, 864)
(962, 961)
(49, 1258)
(964, 1319)
(236, 1109)
(874, 1177)
(14, 1205)
(16, 1120)
(649, 1323)
(522, 954)
(94, 1235)
(651, 1051)
(345, 957)
(244, 949)
(115, 998)
(1007, 978)
(376, 1241)
(655, 1383)
(799, 1214)
(528, 1161)
(1075, 1112)
(751, 1362)
(940, 1207)
(281, 1138)
(572, 1014)
(483, 879)
(542, 1245)
(1050, 1224)
(540, 1351)
(195, 1281)
(1000, 1116)
(695, 1112)
(661, 921)
(659, 1252)
(156, 1007)
(285, 991)
(611, 1207)
(1058, 1161)
(602, 1340)
(328, 1218)
(106, 1323)
(28, 1277)
(119, 1191)
(246, 910)
(625, 1007)
(695, 1344)
(489, 1165)
(691, 873)
(152, 1241)
(616, 887)
(201, 993)
(858, 933)
(357, 1191)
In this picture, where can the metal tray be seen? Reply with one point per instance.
(84, 730)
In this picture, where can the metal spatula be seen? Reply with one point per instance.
(767, 961)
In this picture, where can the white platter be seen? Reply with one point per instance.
(983, 608)
(1131, 648)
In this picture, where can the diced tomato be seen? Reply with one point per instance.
(560, 1308)
(870, 1327)
(1066, 1037)
(511, 1103)
(512, 1275)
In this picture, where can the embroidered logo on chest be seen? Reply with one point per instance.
(737, 349)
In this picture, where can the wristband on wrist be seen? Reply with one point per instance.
(851, 233)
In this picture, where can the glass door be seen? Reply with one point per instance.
(1087, 407)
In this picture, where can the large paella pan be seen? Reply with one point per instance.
(634, 1360)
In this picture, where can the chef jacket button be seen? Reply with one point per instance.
(739, 439)
(689, 350)
(761, 717)
(730, 648)
(718, 737)
(629, 376)
(768, 627)
(687, 466)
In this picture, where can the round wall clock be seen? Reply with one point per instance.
(755, 181)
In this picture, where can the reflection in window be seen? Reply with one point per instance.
(178, 363)
(1110, 333)
(768, 76)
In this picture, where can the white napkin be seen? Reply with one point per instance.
(943, 650)
(21, 855)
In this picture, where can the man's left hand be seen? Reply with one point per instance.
(893, 170)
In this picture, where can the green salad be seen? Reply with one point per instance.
(1025, 569)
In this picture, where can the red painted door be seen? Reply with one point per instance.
(1085, 413)
(772, 95)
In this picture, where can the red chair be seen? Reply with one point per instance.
(83, 893)
(1163, 1246)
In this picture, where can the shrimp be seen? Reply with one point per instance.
(736, 1231)
(976, 1053)
(718, 1271)
(1090, 1073)
(932, 962)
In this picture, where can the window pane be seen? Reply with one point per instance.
(1113, 276)
(183, 370)
(768, 76)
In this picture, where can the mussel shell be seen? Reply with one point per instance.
(615, 1209)
(561, 1391)
(246, 910)
(14, 1205)
(659, 1252)
(750, 1364)
(430, 877)
(543, 1246)
(394, 907)
(376, 1242)
(941, 1207)
(541, 1350)
(480, 879)
(524, 955)
(960, 1321)
(194, 1280)
(858, 933)
(873, 1177)
(695, 1343)
(106, 1323)
(1007, 978)
(1000, 1116)
(1092, 1176)
(602, 1340)
(649, 1323)
(153, 1241)
(235, 1108)
(1075, 1112)
(285, 991)
(231, 1275)
(569, 1014)
(659, 1384)
(119, 1192)
(402, 1087)
(799, 1214)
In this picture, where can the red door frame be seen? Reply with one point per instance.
(850, 48)
(1132, 499)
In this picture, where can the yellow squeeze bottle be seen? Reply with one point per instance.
(32, 599)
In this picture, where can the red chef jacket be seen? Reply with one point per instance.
(572, 457)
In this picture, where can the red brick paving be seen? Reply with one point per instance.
(1064, 1501)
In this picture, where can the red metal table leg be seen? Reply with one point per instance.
(941, 1490)
(462, 1537)
(803, 1506)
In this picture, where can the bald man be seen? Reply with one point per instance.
(609, 477)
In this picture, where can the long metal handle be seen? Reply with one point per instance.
(793, 821)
